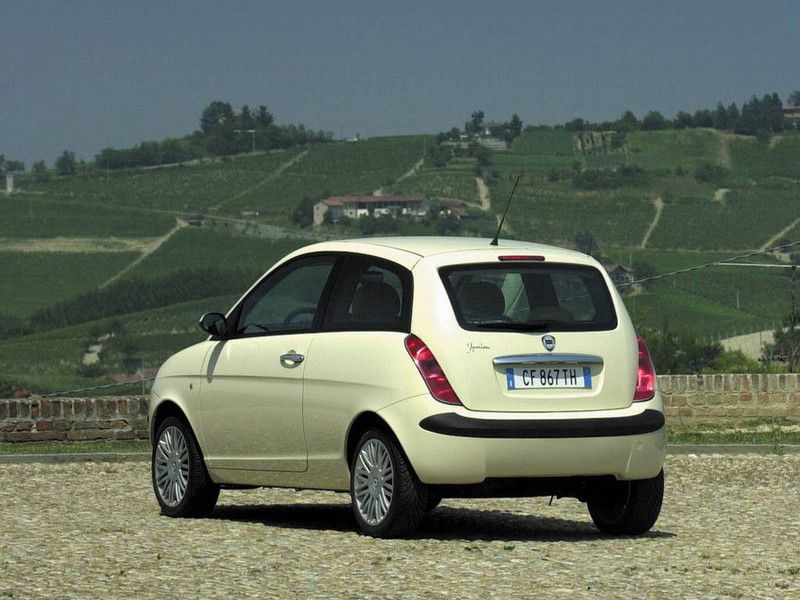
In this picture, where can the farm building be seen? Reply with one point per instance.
(455, 208)
(790, 111)
(356, 207)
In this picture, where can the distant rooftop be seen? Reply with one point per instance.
(341, 200)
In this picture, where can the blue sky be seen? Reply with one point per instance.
(86, 75)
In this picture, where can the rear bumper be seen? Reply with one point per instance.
(455, 446)
(458, 425)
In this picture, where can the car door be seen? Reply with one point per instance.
(252, 390)
(354, 363)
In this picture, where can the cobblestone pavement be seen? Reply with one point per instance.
(730, 527)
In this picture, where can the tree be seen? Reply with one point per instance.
(794, 98)
(264, 118)
(303, 213)
(586, 243)
(721, 117)
(618, 139)
(654, 121)
(246, 120)
(39, 171)
(65, 164)
(514, 126)
(454, 134)
(683, 120)
(628, 121)
(480, 152)
(733, 116)
(703, 118)
(10, 166)
(477, 119)
(216, 117)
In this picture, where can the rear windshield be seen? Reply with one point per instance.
(529, 297)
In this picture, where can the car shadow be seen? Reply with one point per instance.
(444, 523)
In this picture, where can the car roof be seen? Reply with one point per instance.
(424, 246)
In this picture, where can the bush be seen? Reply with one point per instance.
(303, 213)
(710, 173)
(585, 242)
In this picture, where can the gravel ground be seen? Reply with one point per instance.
(730, 527)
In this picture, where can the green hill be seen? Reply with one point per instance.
(63, 238)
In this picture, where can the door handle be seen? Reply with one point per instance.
(291, 359)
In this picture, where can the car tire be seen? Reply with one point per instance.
(627, 507)
(181, 482)
(388, 498)
(433, 501)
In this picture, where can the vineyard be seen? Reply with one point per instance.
(717, 194)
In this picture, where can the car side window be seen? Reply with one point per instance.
(371, 295)
(286, 301)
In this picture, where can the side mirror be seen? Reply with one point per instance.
(214, 324)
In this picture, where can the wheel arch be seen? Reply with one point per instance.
(168, 408)
(361, 424)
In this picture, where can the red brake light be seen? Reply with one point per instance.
(646, 374)
(430, 370)
(520, 257)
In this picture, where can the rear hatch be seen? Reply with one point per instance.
(535, 336)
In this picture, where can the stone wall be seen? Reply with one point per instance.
(43, 419)
(730, 397)
(688, 399)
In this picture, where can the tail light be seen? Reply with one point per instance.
(646, 374)
(430, 370)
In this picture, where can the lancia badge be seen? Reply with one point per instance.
(549, 342)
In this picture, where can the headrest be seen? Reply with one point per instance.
(375, 301)
(482, 300)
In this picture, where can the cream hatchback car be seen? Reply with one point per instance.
(407, 370)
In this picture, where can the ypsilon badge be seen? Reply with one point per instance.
(549, 342)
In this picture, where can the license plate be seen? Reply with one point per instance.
(550, 377)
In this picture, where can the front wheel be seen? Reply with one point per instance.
(388, 498)
(627, 507)
(180, 480)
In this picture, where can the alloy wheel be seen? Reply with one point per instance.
(374, 482)
(172, 466)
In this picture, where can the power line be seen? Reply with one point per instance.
(711, 264)
(96, 387)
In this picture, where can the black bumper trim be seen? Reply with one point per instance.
(454, 424)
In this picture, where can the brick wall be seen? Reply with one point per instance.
(41, 419)
(688, 398)
(730, 397)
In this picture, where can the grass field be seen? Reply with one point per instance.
(335, 169)
(554, 212)
(32, 280)
(537, 152)
(747, 219)
(554, 142)
(669, 149)
(456, 180)
(214, 249)
(718, 301)
(50, 361)
(192, 189)
(33, 215)
(756, 159)
(764, 197)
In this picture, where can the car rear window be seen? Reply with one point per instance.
(529, 297)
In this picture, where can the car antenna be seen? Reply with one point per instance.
(505, 212)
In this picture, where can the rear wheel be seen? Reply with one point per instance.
(388, 498)
(433, 501)
(627, 507)
(180, 480)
